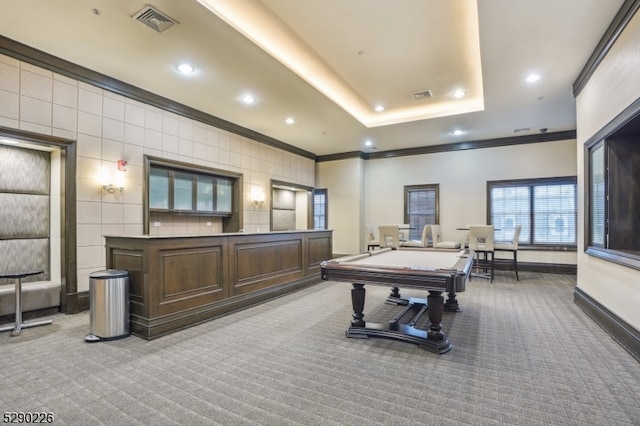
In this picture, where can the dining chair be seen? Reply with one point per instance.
(372, 243)
(438, 242)
(389, 236)
(511, 246)
(481, 242)
(423, 241)
(403, 234)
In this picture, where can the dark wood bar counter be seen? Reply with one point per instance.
(179, 281)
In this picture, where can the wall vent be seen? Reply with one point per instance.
(154, 19)
(422, 94)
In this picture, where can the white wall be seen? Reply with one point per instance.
(613, 87)
(344, 181)
(462, 176)
(110, 127)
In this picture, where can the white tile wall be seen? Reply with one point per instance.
(35, 111)
(109, 127)
(9, 105)
(65, 91)
(37, 85)
(9, 74)
(64, 118)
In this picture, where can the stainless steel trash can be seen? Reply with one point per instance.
(109, 305)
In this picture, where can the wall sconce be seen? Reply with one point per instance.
(112, 182)
(111, 188)
(257, 196)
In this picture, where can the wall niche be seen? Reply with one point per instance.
(612, 190)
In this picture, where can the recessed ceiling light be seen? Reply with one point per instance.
(249, 19)
(186, 68)
(457, 132)
(290, 120)
(532, 78)
(248, 99)
(379, 108)
(459, 94)
(368, 143)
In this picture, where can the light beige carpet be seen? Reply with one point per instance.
(524, 354)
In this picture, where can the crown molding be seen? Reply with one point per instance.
(52, 63)
(60, 66)
(617, 26)
(450, 147)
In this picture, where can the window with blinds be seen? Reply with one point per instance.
(613, 193)
(612, 190)
(597, 196)
(319, 209)
(420, 208)
(546, 209)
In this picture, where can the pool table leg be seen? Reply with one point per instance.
(436, 311)
(433, 339)
(395, 292)
(357, 301)
(395, 298)
(451, 305)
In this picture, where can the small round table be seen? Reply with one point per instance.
(19, 325)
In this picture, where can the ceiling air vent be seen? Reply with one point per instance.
(154, 19)
(422, 94)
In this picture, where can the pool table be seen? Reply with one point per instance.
(435, 271)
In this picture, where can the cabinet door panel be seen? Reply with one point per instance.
(183, 191)
(158, 189)
(204, 193)
(223, 195)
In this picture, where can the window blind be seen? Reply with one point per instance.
(511, 206)
(421, 210)
(597, 197)
(555, 214)
(545, 209)
(320, 209)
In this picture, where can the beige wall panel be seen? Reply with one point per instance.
(344, 180)
(613, 87)
(462, 176)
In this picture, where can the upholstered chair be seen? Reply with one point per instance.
(481, 242)
(511, 246)
(438, 242)
(389, 236)
(422, 242)
(404, 234)
(372, 243)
